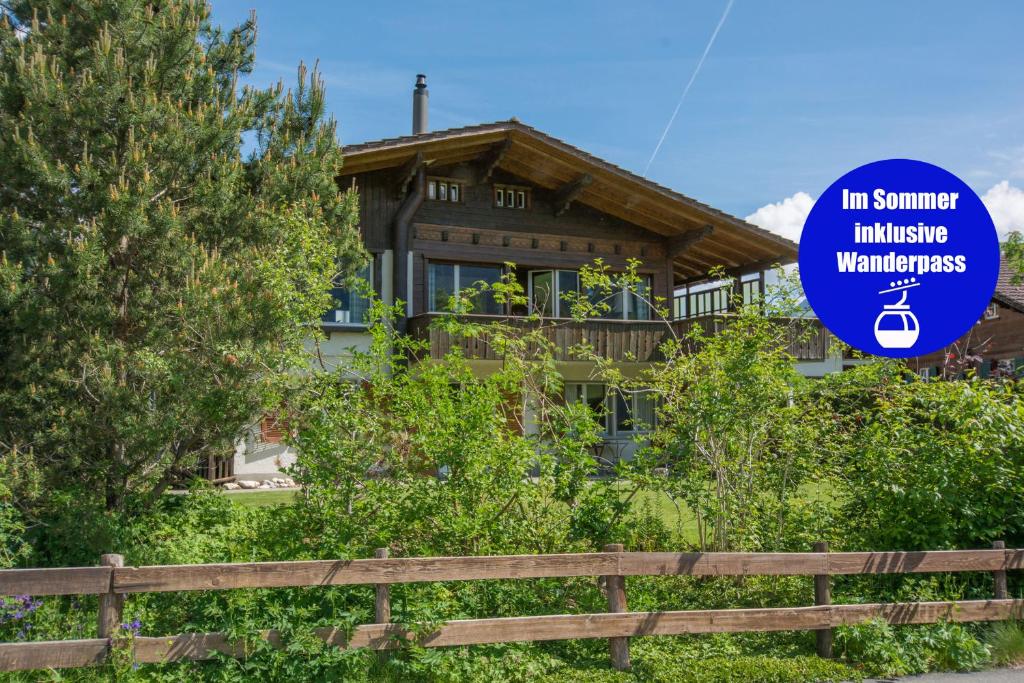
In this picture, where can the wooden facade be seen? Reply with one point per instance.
(574, 194)
(994, 347)
(571, 208)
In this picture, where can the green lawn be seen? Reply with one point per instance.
(679, 518)
(262, 498)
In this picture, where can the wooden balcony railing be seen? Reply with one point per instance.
(807, 338)
(619, 340)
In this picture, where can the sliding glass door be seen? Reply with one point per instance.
(548, 289)
(446, 280)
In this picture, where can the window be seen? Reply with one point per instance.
(444, 190)
(710, 299)
(636, 300)
(591, 394)
(548, 289)
(634, 412)
(445, 280)
(992, 312)
(511, 197)
(626, 303)
(750, 287)
(679, 307)
(351, 299)
(625, 414)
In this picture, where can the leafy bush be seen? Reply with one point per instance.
(434, 459)
(932, 464)
(883, 650)
(737, 433)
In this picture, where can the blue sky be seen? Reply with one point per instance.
(791, 96)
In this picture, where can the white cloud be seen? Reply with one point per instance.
(784, 218)
(1006, 205)
(1004, 201)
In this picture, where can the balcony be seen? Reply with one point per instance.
(618, 340)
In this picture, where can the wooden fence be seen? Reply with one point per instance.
(113, 582)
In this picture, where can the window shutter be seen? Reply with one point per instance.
(272, 430)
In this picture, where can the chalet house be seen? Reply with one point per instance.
(994, 347)
(440, 210)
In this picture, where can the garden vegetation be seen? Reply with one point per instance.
(158, 287)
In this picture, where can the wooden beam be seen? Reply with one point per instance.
(414, 569)
(63, 581)
(200, 646)
(53, 654)
(677, 245)
(344, 572)
(406, 172)
(491, 161)
(361, 161)
(565, 195)
(608, 625)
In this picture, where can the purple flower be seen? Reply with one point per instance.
(134, 626)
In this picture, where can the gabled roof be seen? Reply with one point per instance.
(553, 164)
(1007, 292)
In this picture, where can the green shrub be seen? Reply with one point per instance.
(883, 650)
(932, 465)
(873, 647)
(738, 669)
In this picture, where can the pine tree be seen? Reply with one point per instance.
(168, 238)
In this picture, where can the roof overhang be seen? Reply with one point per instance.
(703, 237)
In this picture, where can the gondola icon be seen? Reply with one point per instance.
(896, 327)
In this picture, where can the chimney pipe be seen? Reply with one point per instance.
(420, 99)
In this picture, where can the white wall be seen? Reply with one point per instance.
(259, 461)
(254, 459)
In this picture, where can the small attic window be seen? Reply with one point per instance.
(511, 197)
(444, 190)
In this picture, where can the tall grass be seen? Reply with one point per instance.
(1006, 642)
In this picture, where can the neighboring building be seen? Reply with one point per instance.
(441, 210)
(994, 347)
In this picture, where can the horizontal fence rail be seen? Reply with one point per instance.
(113, 582)
(195, 577)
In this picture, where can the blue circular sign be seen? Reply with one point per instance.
(899, 258)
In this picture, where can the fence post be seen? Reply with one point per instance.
(823, 596)
(382, 603)
(111, 603)
(616, 586)
(1001, 592)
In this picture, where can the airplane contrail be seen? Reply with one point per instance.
(693, 77)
